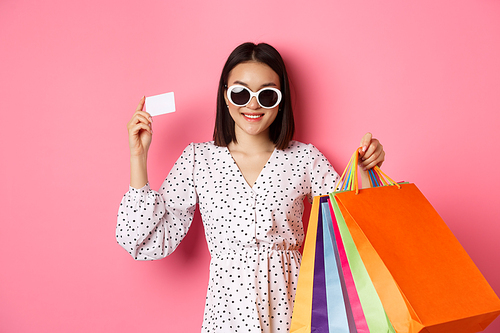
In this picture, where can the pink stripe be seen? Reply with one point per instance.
(357, 310)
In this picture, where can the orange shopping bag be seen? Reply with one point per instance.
(302, 309)
(424, 277)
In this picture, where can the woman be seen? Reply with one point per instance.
(249, 183)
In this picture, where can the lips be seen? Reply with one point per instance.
(253, 116)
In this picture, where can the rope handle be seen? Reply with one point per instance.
(349, 179)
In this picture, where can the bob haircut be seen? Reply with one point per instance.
(282, 129)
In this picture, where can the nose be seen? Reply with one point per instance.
(253, 104)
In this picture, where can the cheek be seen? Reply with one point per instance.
(232, 112)
(274, 115)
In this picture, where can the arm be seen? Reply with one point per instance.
(150, 224)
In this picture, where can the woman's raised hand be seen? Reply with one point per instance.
(140, 132)
(372, 152)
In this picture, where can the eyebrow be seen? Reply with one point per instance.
(270, 84)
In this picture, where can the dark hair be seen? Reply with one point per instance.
(282, 129)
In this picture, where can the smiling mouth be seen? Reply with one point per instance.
(253, 116)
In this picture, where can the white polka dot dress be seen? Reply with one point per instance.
(253, 233)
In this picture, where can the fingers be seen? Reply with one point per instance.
(140, 135)
(365, 143)
(140, 107)
(372, 152)
(144, 118)
(139, 122)
(375, 160)
(140, 110)
(140, 117)
(134, 129)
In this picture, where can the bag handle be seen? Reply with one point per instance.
(349, 179)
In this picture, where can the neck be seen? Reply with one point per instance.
(251, 143)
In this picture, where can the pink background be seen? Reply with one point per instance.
(423, 76)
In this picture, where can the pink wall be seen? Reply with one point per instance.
(423, 76)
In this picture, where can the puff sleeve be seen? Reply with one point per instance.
(150, 224)
(323, 176)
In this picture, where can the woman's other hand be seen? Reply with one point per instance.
(140, 131)
(371, 153)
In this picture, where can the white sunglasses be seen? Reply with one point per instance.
(268, 97)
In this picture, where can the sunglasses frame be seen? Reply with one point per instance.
(253, 94)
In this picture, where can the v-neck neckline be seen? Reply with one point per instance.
(252, 187)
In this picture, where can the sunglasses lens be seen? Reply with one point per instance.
(268, 98)
(240, 96)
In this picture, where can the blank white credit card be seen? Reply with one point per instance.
(160, 104)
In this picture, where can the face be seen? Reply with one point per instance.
(252, 119)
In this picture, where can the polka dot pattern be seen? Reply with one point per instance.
(253, 233)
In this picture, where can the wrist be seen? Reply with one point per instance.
(140, 158)
(138, 171)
